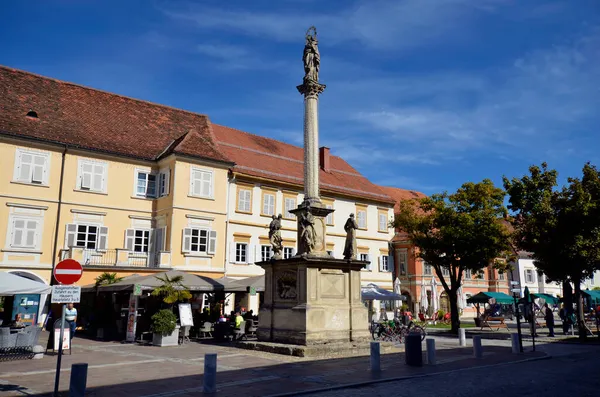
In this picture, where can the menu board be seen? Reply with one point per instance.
(185, 315)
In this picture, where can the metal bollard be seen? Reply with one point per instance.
(431, 351)
(477, 348)
(412, 350)
(210, 374)
(78, 380)
(462, 337)
(514, 338)
(375, 357)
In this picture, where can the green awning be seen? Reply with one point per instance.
(592, 293)
(552, 300)
(484, 297)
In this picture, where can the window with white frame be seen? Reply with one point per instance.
(529, 277)
(427, 269)
(268, 204)
(467, 297)
(24, 232)
(31, 167)
(329, 219)
(383, 263)
(241, 252)
(468, 274)
(92, 175)
(290, 204)
(365, 257)
(383, 223)
(145, 184)
(201, 181)
(403, 261)
(445, 272)
(138, 240)
(163, 182)
(265, 252)
(244, 200)
(501, 276)
(88, 236)
(288, 252)
(199, 240)
(361, 219)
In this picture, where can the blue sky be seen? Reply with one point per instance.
(421, 94)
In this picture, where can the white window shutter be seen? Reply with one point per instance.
(257, 253)
(160, 239)
(232, 258)
(86, 175)
(167, 176)
(71, 232)
(380, 263)
(38, 169)
(26, 162)
(187, 239)
(294, 251)
(212, 242)
(31, 233)
(249, 253)
(129, 237)
(103, 238)
(197, 183)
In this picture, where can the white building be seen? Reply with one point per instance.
(528, 275)
(267, 180)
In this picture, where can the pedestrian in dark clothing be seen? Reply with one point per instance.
(549, 317)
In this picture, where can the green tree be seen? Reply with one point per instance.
(457, 232)
(172, 290)
(106, 278)
(561, 227)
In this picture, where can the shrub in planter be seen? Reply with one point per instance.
(441, 314)
(164, 322)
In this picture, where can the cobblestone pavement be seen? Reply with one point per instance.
(566, 375)
(130, 370)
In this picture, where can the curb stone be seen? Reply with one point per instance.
(376, 381)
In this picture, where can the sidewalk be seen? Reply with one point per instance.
(129, 370)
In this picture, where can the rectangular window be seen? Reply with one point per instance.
(241, 253)
(24, 233)
(329, 219)
(445, 272)
(467, 297)
(141, 241)
(31, 167)
(361, 219)
(92, 175)
(244, 200)
(201, 183)
(384, 263)
(290, 204)
(268, 204)
(288, 252)
(427, 269)
(265, 252)
(383, 222)
(199, 241)
(529, 277)
(468, 274)
(163, 183)
(145, 184)
(365, 257)
(403, 261)
(501, 276)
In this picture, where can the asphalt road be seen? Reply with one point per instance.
(564, 375)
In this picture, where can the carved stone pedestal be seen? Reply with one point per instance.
(310, 300)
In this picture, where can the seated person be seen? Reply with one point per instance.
(238, 320)
(17, 323)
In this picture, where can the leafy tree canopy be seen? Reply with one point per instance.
(172, 289)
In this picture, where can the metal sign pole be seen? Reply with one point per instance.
(518, 323)
(60, 348)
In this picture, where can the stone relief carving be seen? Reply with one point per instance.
(286, 285)
(311, 56)
(350, 246)
(275, 236)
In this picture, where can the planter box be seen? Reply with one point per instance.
(169, 340)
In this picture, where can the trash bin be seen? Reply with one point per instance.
(413, 351)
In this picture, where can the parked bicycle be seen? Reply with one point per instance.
(392, 331)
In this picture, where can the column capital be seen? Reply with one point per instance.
(311, 88)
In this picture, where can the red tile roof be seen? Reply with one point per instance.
(268, 158)
(401, 194)
(91, 119)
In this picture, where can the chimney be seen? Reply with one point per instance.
(324, 158)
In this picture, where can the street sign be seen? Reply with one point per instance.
(137, 289)
(516, 290)
(68, 272)
(514, 283)
(66, 294)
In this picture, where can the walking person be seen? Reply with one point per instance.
(549, 317)
(71, 319)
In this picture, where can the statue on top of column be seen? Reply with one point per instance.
(275, 236)
(311, 56)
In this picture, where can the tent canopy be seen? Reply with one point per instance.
(257, 282)
(11, 284)
(552, 300)
(373, 292)
(592, 293)
(150, 282)
(484, 297)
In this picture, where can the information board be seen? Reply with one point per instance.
(66, 336)
(185, 315)
(66, 294)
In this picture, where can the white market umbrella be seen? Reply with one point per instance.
(397, 291)
(424, 305)
(460, 299)
(11, 284)
(434, 295)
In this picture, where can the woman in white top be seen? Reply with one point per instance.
(71, 319)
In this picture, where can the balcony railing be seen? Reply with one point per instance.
(117, 257)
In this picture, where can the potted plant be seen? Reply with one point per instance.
(164, 324)
(165, 331)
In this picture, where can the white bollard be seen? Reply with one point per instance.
(210, 374)
(514, 338)
(477, 348)
(375, 357)
(462, 337)
(431, 351)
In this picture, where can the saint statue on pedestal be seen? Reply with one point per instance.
(350, 246)
(308, 235)
(275, 236)
(311, 56)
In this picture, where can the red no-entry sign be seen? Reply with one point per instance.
(68, 272)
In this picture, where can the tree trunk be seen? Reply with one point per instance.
(454, 313)
(579, 308)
